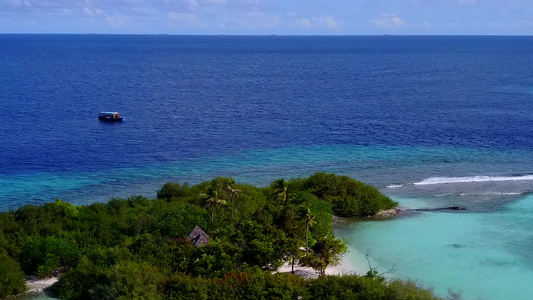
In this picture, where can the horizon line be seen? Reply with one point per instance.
(271, 34)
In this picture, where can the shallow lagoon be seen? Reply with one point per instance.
(482, 255)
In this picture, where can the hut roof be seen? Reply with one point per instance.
(198, 237)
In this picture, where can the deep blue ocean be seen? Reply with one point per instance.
(430, 120)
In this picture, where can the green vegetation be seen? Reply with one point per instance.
(348, 197)
(365, 287)
(11, 277)
(137, 248)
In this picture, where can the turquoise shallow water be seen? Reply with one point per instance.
(379, 165)
(34, 296)
(482, 255)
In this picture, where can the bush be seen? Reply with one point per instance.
(187, 288)
(76, 283)
(349, 197)
(62, 209)
(236, 286)
(131, 280)
(11, 277)
(262, 246)
(258, 285)
(363, 287)
(214, 259)
(321, 211)
(178, 219)
(171, 190)
(346, 287)
(407, 290)
(43, 256)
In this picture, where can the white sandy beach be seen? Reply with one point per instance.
(39, 285)
(346, 266)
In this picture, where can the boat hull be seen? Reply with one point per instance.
(104, 119)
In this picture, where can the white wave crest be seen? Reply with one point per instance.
(492, 194)
(443, 180)
(394, 186)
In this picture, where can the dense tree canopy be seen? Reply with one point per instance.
(349, 197)
(137, 248)
(11, 277)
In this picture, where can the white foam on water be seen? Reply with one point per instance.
(492, 194)
(444, 180)
(392, 186)
(444, 195)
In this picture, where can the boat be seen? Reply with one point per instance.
(108, 116)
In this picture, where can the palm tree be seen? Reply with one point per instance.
(232, 191)
(234, 195)
(306, 217)
(212, 202)
(280, 190)
(294, 252)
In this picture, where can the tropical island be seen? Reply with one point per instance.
(215, 240)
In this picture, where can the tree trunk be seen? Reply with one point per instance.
(306, 239)
(232, 208)
(292, 265)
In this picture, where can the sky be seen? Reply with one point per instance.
(290, 17)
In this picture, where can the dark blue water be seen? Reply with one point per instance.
(432, 121)
(198, 98)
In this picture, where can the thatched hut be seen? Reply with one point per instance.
(198, 237)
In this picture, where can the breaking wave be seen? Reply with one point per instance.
(444, 180)
(492, 194)
(395, 186)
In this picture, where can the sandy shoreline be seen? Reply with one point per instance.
(39, 285)
(345, 266)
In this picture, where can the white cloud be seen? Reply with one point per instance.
(255, 20)
(202, 5)
(17, 3)
(388, 21)
(250, 21)
(117, 21)
(424, 26)
(184, 17)
(303, 22)
(92, 12)
(328, 22)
